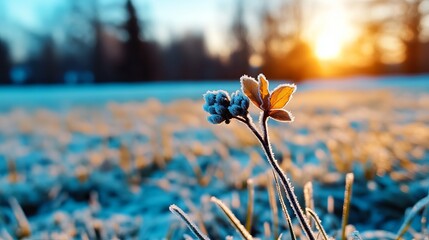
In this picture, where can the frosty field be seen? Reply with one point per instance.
(106, 162)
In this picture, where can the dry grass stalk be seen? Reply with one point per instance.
(267, 230)
(284, 209)
(330, 205)
(316, 219)
(13, 173)
(82, 173)
(308, 198)
(24, 229)
(419, 206)
(250, 202)
(181, 214)
(273, 204)
(346, 206)
(125, 158)
(232, 218)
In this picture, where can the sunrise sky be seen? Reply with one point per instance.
(328, 26)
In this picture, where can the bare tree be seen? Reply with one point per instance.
(5, 63)
(239, 59)
(400, 20)
(286, 53)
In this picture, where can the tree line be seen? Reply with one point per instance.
(101, 56)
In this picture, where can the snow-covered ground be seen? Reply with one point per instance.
(107, 161)
(12, 96)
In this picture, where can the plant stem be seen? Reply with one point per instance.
(264, 121)
(287, 185)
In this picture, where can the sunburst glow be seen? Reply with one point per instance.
(328, 46)
(333, 31)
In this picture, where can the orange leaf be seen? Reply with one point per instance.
(281, 95)
(250, 87)
(281, 115)
(264, 92)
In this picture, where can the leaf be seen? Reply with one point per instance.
(281, 95)
(264, 92)
(281, 115)
(250, 87)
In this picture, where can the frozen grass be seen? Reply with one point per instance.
(113, 170)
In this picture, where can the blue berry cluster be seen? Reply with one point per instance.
(239, 104)
(222, 107)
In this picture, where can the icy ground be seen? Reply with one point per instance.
(106, 162)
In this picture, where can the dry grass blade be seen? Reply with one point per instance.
(4, 234)
(249, 212)
(232, 218)
(273, 203)
(170, 232)
(419, 206)
(318, 222)
(13, 173)
(24, 229)
(284, 208)
(180, 213)
(267, 230)
(346, 206)
(308, 198)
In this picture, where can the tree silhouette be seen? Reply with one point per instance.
(47, 71)
(402, 21)
(139, 55)
(239, 59)
(286, 54)
(413, 25)
(5, 63)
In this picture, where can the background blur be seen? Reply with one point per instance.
(82, 160)
(94, 41)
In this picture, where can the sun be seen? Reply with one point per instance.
(331, 31)
(328, 46)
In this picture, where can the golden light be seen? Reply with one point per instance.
(332, 30)
(328, 46)
(256, 60)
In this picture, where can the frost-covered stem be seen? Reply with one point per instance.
(264, 121)
(250, 124)
(287, 185)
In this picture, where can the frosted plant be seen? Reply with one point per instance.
(224, 108)
(272, 104)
